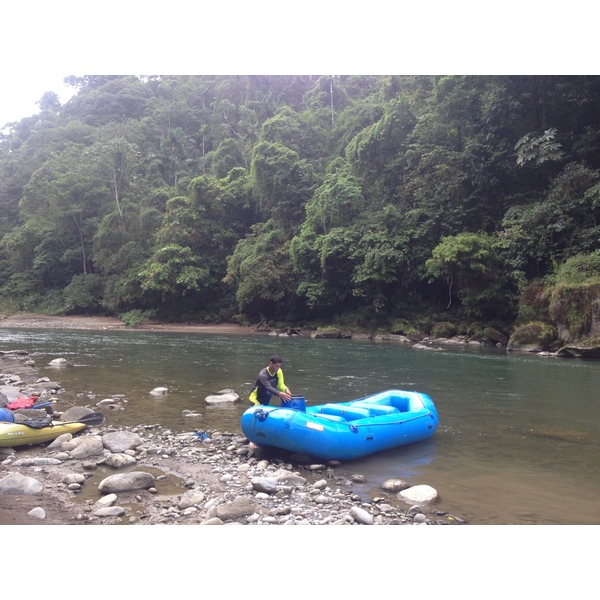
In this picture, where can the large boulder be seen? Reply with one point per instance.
(126, 482)
(236, 509)
(85, 447)
(331, 333)
(16, 484)
(75, 413)
(443, 329)
(419, 494)
(533, 337)
(225, 397)
(121, 441)
(586, 349)
(575, 308)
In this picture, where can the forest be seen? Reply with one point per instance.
(369, 201)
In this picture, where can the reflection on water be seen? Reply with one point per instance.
(518, 435)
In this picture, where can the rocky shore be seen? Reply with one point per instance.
(149, 475)
(215, 481)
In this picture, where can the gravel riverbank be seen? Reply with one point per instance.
(187, 480)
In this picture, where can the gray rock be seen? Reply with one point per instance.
(213, 521)
(75, 413)
(323, 499)
(394, 485)
(42, 387)
(424, 347)
(228, 398)
(59, 362)
(268, 485)
(107, 402)
(159, 391)
(420, 494)
(106, 501)
(38, 461)
(120, 441)
(284, 476)
(38, 512)
(16, 484)
(360, 515)
(110, 511)
(188, 414)
(73, 478)
(10, 392)
(240, 507)
(87, 446)
(61, 439)
(191, 498)
(117, 461)
(126, 482)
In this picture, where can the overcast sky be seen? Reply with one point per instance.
(41, 43)
(20, 101)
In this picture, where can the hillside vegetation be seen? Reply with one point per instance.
(368, 201)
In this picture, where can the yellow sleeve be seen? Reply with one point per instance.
(280, 382)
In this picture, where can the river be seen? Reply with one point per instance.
(518, 436)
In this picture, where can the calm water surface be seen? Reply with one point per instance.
(518, 437)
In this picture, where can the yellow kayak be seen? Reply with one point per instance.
(19, 434)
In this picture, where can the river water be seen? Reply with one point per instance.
(518, 437)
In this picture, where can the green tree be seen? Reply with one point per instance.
(198, 232)
(474, 271)
(322, 251)
(538, 149)
(562, 224)
(261, 273)
(282, 182)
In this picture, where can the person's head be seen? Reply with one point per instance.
(275, 362)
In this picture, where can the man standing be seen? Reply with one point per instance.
(270, 381)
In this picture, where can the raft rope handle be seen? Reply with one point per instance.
(261, 415)
(356, 426)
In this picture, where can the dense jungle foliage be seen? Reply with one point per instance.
(372, 200)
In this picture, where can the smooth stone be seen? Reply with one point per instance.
(419, 494)
(40, 461)
(191, 498)
(75, 413)
(86, 446)
(360, 515)
(15, 484)
(240, 507)
(120, 441)
(126, 482)
(58, 362)
(106, 501)
(159, 391)
(268, 485)
(229, 398)
(110, 511)
(118, 461)
(38, 512)
(394, 485)
(74, 478)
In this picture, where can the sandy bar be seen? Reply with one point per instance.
(37, 321)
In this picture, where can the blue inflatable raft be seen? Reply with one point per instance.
(344, 430)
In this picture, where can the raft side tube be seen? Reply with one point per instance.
(376, 410)
(350, 413)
